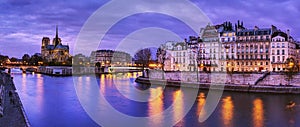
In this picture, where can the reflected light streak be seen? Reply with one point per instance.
(201, 102)
(156, 106)
(24, 81)
(40, 90)
(258, 113)
(102, 83)
(178, 105)
(227, 111)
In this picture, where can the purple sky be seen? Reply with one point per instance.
(25, 22)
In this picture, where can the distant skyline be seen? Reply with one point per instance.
(25, 22)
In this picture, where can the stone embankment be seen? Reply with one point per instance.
(11, 109)
(225, 87)
(240, 82)
(213, 77)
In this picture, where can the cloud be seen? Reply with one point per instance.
(25, 22)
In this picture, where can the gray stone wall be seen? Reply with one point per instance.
(277, 79)
(218, 78)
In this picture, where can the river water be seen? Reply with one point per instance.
(53, 102)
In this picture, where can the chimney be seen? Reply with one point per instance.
(274, 28)
(288, 34)
(256, 28)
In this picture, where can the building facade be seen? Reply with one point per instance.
(282, 47)
(209, 49)
(234, 48)
(55, 52)
(108, 58)
(177, 56)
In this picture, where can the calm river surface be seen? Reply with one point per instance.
(52, 102)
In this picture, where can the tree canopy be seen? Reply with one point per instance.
(143, 57)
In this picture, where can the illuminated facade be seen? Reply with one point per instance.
(108, 58)
(282, 47)
(237, 49)
(253, 49)
(177, 56)
(55, 52)
(209, 51)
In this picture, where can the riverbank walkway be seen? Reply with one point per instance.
(12, 114)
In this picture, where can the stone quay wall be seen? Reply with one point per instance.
(280, 79)
(213, 77)
(272, 78)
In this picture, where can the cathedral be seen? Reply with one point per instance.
(55, 52)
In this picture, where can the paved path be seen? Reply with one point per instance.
(13, 115)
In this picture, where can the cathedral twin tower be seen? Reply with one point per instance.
(55, 52)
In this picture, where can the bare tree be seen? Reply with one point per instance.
(291, 69)
(161, 55)
(143, 57)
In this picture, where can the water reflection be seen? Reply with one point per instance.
(24, 82)
(156, 106)
(258, 113)
(200, 104)
(52, 101)
(40, 90)
(178, 106)
(227, 111)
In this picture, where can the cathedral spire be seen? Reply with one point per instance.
(56, 39)
(56, 36)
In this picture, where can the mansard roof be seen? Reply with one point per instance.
(254, 32)
(282, 34)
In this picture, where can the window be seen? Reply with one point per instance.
(278, 58)
(267, 63)
(278, 52)
(283, 45)
(283, 52)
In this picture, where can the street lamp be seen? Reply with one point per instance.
(291, 64)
